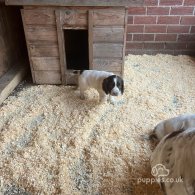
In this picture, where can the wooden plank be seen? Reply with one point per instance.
(4, 60)
(108, 64)
(47, 77)
(108, 34)
(61, 45)
(28, 47)
(90, 38)
(41, 33)
(71, 78)
(44, 50)
(46, 63)
(43, 16)
(107, 50)
(109, 17)
(76, 2)
(10, 80)
(77, 18)
(124, 41)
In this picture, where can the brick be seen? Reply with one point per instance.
(130, 20)
(168, 20)
(189, 2)
(130, 45)
(186, 37)
(166, 37)
(171, 2)
(153, 45)
(135, 28)
(191, 45)
(145, 20)
(129, 37)
(143, 37)
(192, 29)
(175, 46)
(188, 20)
(182, 10)
(178, 29)
(155, 28)
(157, 11)
(150, 2)
(137, 10)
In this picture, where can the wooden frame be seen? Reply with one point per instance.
(61, 40)
(28, 49)
(61, 46)
(90, 38)
(118, 3)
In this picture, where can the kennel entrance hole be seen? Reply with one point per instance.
(76, 48)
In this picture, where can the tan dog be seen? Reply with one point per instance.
(173, 124)
(174, 159)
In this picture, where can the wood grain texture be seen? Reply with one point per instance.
(76, 2)
(109, 17)
(61, 46)
(108, 35)
(10, 80)
(45, 63)
(73, 18)
(90, 38)
(44, 50)
(107, 50)
(39, 16)
(108, 64)
(37, 33)
(44, 29)
(47, 77)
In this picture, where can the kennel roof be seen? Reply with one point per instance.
(99, 3)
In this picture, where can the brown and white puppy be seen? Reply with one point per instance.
(173, 124)
(173, 162)
(106, 83)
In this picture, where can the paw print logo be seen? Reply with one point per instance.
(160, 170)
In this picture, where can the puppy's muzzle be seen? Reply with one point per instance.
(115, 93)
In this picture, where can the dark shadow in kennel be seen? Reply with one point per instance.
(77, 50)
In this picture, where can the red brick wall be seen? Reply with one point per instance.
(162, 26)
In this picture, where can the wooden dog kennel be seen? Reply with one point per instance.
(68, 35)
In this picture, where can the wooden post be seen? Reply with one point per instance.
(61, 45)
(90, 38)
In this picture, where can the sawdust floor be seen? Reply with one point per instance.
(51, 142)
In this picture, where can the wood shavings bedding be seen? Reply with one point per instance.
(51, 142)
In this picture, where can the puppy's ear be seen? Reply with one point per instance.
(105, 86)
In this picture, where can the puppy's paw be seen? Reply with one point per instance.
(111, 100)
